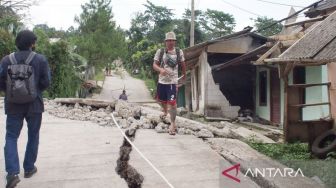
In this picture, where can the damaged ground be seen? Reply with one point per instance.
(80, 146)
(223, 137)
(76, 153)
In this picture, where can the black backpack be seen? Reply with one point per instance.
(20, 84)
(172, 63)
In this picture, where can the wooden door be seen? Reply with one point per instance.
(275, 97)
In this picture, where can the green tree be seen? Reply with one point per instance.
(42, 43)
(51, 31)
(65, 81)
(139, 28)
(217, 23)
(182, 29)
(11, 13)
(64, 67)
(159, 19)
(264, 22)
(146, 33)
(99, 41)
(6, 43)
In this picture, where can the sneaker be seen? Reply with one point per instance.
(30, 173)
(12, 180)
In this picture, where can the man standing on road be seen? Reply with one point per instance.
(167, 62)
(26, 62)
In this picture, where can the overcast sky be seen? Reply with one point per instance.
(60, 13)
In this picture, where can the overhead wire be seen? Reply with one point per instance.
(242, 9)
(294, 14)
(283, 4)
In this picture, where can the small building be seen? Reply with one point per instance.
(221, 82)
(270, 97)
(307, 83)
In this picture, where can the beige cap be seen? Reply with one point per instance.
(170, 36)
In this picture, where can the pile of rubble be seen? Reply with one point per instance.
(130, 115)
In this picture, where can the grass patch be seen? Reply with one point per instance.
(151, 85)
(296, 156)
(100, 76)
(296, 151)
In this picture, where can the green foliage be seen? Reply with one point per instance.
(152, 24)
(65, 82)
(297, 156)
(98, 39)
(42, 45)
(142, 59)
(331, 156)
(147, 32)
(263, 22)
(51, 32)
(11, 13)
(160, 21)
(139, 28)
(182, 31)
(100, 75)
(9, 25)
(79, 62)
(296, 151)
(323, 169)
(6, 43)
(217, 23)
(151, 85)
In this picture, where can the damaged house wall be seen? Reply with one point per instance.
(217, 104)
(223, 92)
(235, 82)
(207, 98)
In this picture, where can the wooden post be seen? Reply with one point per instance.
(285, 121)
(331, 67)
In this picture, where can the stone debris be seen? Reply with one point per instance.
(131, 115)
(248, 135)
(204, 133)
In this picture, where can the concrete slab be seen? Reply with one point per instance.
(72, 154)
(185, 161)
(76, 154)
(239, 152)
(245, 134)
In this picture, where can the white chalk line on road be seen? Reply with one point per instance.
(142, 155)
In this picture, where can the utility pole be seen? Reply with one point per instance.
(192, 24)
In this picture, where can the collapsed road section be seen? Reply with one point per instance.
(132, 177)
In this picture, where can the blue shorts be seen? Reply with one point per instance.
(166, 93)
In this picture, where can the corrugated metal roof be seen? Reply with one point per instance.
(317, 44)
(320, 8)
(191, 54)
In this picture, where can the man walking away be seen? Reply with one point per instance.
(23, 76)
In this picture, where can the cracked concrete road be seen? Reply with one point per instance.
(72, 154)
(77, 154)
